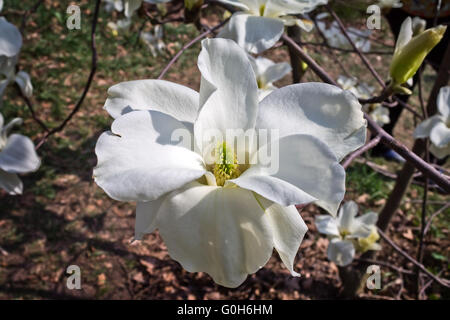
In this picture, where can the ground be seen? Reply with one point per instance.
(63, 218)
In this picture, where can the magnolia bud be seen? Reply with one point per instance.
(408, 59)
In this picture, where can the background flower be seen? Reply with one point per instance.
(17, 155)
(347, 232)
(261, 22)
(437, 127)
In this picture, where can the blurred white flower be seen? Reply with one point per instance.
(10, 44)
(111, 5)
(335, 37)
(348, 233)
(17, 155)
(225, 216)
(153, 40)
(388, 4)
(261, 23)
(377, 112)
(437, 127)
(10, 39)
(267, 72)
(123, 24)
(1, 5)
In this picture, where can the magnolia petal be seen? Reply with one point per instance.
(228, 90)
(443, 102)
(324, 111)
(10, 38)
(424, 128)
(328, 225)
(140, 160)
(288, 230)
(277, 71)
(369, 218)
(146, 214)
(11, 183)
(440, 153)
(221, 231)
(236, 3)
(440, 135)
(253, 33)
(19, 155)
(347, 215)
(130, 6)
(341, 252)
(306, 170)
(173, 99)
(23, 80)
(404, 35)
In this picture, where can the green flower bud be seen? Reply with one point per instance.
(408, 58)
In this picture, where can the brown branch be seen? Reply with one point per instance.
(28, 13)
(31, 109)
(326, 45)
(430, 220)
(442, 282)
(369, 145)
(88, 83)
(187, 46)
(385, 264)
(363, 58)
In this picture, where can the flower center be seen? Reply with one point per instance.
(260, 83)
(344, 233)
(226, 166)
(262, 8)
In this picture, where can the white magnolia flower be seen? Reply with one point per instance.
(225, 216)
(10, 39)
(437, 127)
(153, 40)
(267, 72)
(348, 233)
(17, 155)
(377, 112)
(8, 75)
(388, 4)
(335, 37)
(261, 23)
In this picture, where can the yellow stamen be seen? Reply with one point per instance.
(226, 166)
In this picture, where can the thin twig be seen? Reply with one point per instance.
(360, 54)
(369, 145)
(88, 83)
(28, 13)
(33, 113)
(430, 220)
(442, 282)
(385, 264)
(187, 46)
